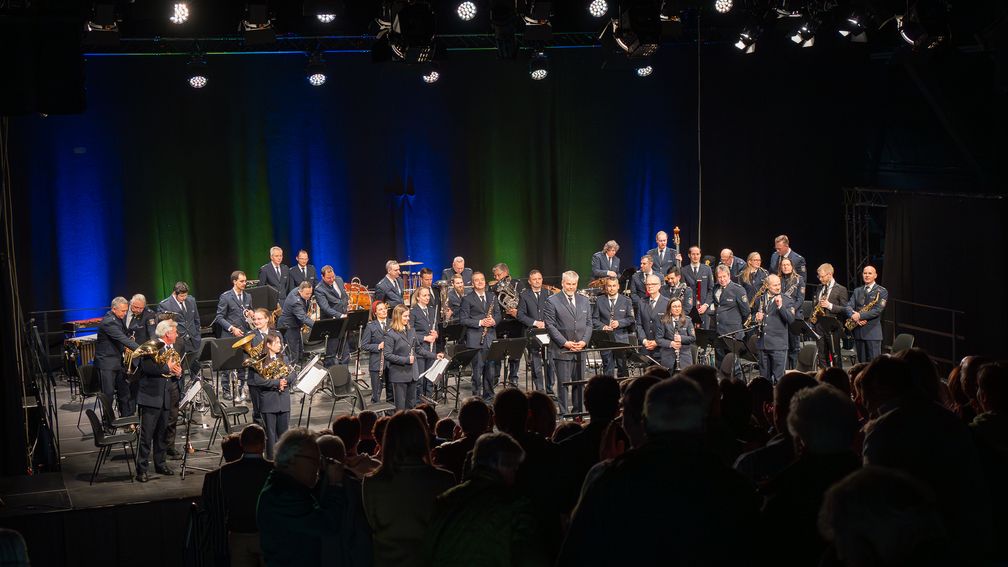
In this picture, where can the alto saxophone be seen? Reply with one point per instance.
(752, 303)
(849, 324)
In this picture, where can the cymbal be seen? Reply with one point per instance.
(243, 341)
(410, 263)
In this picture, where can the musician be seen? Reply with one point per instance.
(390, 288)
(234, 309)
(734, 263)
(295, 316)
(502, 274)
(663, 256)
(782, 249)
(181, 306)
(776, 312)
(403, 352)
(455, 296)
(568, 318)
(865, 307)
(275, 273)
(648, 313)
(638, 283)
(674, 335)
(333, 303)
(427, 281)
(302, 271)
(458, 267)
(606, 263)
(157, 393)
(109, 348)
(730, 308)
(674, 288)
(140, 320)
(373, 343)
(614, 312)
(274, 393)
(424, 317)
(531, 304)
(700, 281)
(260, 326)
(794, 287)
(832, 298)
(752, 276)
(480, 314)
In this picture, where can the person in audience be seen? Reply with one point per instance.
(565, 431)
(719, 437)
(878, 516)
(211, 503)
(399, 496)
(351, 546)
(670, 498)
(736, 411)
(430, 418)
(580, 451)
(13, 550)
(241, 482)
(348, 429)
(762, 392)
(914, 434)
(969, 369)
(823, 423)
(835, 377)
(367, 445)
(444, 430)
(923, 371)
(379, 432)
(474, 420)
(296, 519)
(542, 417)
(990, 432)
(484, 521)
(762, 464)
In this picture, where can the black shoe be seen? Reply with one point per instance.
(141, 477)
(164, 471)
(174, 455)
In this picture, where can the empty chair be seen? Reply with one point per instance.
(104, 443)
(220, 412)
(344, 389)
(89, 386)
(109, 420)
(807, 358)
(902, 342)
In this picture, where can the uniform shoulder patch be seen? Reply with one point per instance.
(744, 298)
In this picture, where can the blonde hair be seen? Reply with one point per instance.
(397, 324)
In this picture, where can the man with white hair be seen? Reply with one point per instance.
(275, 273)
(390, 288)
(140, 323)
(458, 267)
(568, 318)
(112, 342)
(158, 391)
(606, 263)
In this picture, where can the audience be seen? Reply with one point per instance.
(348, 429)
(367, 445)
(990, 431)
(379, 431)
(241, 482)
(444, 431)
(720, 439)
(565, 431)
(762, 391)
(835, 377)
(969, 371)
(484, 521)
(474, 420)
(13, 551)
(671, 498)
(581, 451)
(399, 496)
(212, 504)
(542, 417)
(736, 411)
(923, 372)
(351, 546)
(430, 417)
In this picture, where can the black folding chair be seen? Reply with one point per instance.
(344, 389)
(89, 386)
(221, 413)
(112, 423)
(104, 443)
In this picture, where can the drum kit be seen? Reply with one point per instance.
(360, 296)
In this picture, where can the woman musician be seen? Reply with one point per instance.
(425, 320)
(373, 342)
(753, 275)
(274, 390)
(674, 335)
(793, 287)
(403, 350)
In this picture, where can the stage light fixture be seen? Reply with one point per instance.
(747, 39)
(503, 20)
(804, 35)
(853, 28)
(325, 11)
(257, 26)
(431, 77)
(723, 6)
(196, 71)
(315, 71)
(539, 66)
(411, 32)
(180, 13)
(537, 14)
(598, 8)
(466, 11)
(645, 71)
(638, 29)
(925, 24)
(103, 26)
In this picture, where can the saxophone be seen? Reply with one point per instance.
(752, 303)
(849, 324)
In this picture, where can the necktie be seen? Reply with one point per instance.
(336, 289)
(240, 299)
(612, 307)
(277, 268)
(182, 306)
(304, 271)
(696, 272)
(610, 262)
(382, 323)
(654, 303)
(571, 299)
(129, 317)
(661, 256)
(537, 296)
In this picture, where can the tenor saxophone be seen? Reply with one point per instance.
(849, 324)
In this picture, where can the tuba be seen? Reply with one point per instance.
(255, 353)
(314, 313)
(507, 297)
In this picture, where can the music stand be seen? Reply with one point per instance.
(506, 350)
(459, 360)
(801, 327)
(705, 340)
(625, 277)
(736, 347)
(190, 400)
(324, 330)
(510, 328)
(355, 320)
(223, 358)
(263, 296)
(829, 325)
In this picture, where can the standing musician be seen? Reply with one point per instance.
(776, 312)
(649, 313)
(260, 324)
(295, 316)
(674, 335)
(613, 312)
(606, 263)
(403, 352)
(333, 303)
(730, 308)
(458, 267)
(782, 249)
(302, 271)
(638, 283)
(373, 343)
(700, 281)
(112, 342)
(753, 275)
(390, 288)
(424, 317)
(502, 274)
(427, 281)
(275, 273)
(531, 304)
(454, 299)
(274, 393)
(568, 318)
(157, 394)
(865, 308)
(794, 288)
(234, 309)
(674, 288)
(480, 314)
(831, 298)
(662, 255)
(140, 324)
(182, 308)
(734, 263)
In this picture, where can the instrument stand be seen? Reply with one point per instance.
(504, 350)
(736, 346)
(322, 330)
(188, 430)
(357, 320)
(829, 326)
(459, 360)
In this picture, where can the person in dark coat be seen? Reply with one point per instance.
(474, 420)
(240, 485)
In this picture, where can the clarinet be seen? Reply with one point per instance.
(489, 313)
(381, 359)
(675, 331)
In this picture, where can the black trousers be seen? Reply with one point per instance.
(405, 394)
(113, 385)
(153, 426)
(173, 411)
(276, 425)
(293, 339)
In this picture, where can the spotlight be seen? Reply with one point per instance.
(925, 24)
(466, 11)
(325, 11)
(645, 71)
(804, 36)
(723, 6)
(411, 34)
(537, 15)
(747, 39)
(431, 77)
(196, 71)
(326, 18)
(598, 8)
(180, 13)
(257, 26)
(539, 66)
(315, 72)
(103, 25)
(638, 30)
(853, 28)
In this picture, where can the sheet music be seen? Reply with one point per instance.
(311, 363)
(311, 380)
(436, 370)
(194, 389)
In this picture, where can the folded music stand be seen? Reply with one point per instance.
(459, 360)
(505, 350)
